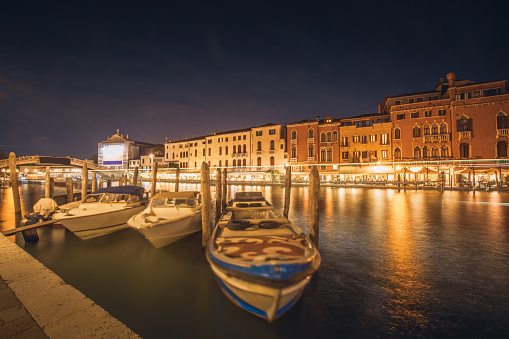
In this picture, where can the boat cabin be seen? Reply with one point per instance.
(176, 199)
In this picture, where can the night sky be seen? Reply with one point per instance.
(73, 72)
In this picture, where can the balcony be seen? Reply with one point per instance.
(258, 152)
(272, 151)
(293, 159)
(311, 158)
(503, 132)
(436, 138)
(293, 141)
(311, 140)
(239, 155)
(344, 144)
(465, 135)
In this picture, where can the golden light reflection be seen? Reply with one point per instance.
(406, 288)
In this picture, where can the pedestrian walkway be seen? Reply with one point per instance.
(15, 321)
(36, 303)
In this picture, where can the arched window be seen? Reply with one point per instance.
(244, 148)
(397, 153)
(234, 149)
(443, 128)
(445, 151)
(322, 137)
(397, 133)
(311, 133)
(272, 161)
(435, 152)
(329, 136)
(426, 129)
(225, 150)
(220, 150)
(425, 152)
(196, 152)
(210, 152)
(294, 134)
(294, 152)
(323, 155)
(239, 149)
(417, 132)
(243, 162)
(334, 136)
(464, 124)
(417, 152)
(219, 163)
(173, 155)
(226, 163)
(434, 129)
(259, 161)
(464, 150)
(311, 151)
(502, 121)
(195, 164)
(501, 149)
(329, 154)
(235, 163)
(272, 145)
(259, 146)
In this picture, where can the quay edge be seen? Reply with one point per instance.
(59, 309)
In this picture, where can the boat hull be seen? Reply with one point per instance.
(268, 302)
(165, 233)
(95, 225)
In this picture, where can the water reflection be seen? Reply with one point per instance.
(414, 263)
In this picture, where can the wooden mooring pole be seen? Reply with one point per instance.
(108, 183)
(94, 182)
(125, 179)
(120, 181)
(28, 235)
(314, 206)
(51, 188)
(219, 192)
(101, 182)
(154, 179)
(70, 190)
(84, 181)
(14, 183)
(135, 176)
(177, 179)
(206, 201)
(399, 182)
(224, 196)
(288, 188)
(47, 193)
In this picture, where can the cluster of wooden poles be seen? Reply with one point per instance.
(220, 203)
(221, 197)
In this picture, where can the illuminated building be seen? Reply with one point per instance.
(460, 119)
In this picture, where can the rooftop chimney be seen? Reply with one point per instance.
(450, 77)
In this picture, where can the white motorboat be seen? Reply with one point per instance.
(169, 216)
(102, 212)
(261, 260)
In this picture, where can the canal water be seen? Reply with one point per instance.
(407, 264)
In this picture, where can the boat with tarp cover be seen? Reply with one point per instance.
(169, 216)
(261, 260)
(101, 212)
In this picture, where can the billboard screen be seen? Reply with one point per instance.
(113, 154)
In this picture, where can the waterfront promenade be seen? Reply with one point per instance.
(36, 303)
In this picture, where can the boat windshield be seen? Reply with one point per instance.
(92, 198)
(172, 202)
(115, 198)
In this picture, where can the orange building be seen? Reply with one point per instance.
(460, 119)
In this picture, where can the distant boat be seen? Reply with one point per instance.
(261, 260)
(169, 216)
(102, 212)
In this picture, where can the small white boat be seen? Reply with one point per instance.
(169, 216)
(261, 260)
(102, 212)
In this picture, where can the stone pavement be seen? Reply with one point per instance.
(15, 321)
(37, 303)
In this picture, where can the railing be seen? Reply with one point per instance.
(311, 158)
(239, 155)
(293, 159)
(311, 140)
(436, 138)
(293, 141)
(503, 132)
(465, 135)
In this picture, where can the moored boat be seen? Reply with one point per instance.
(261, 260)
(169, 216)
(102, 212)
